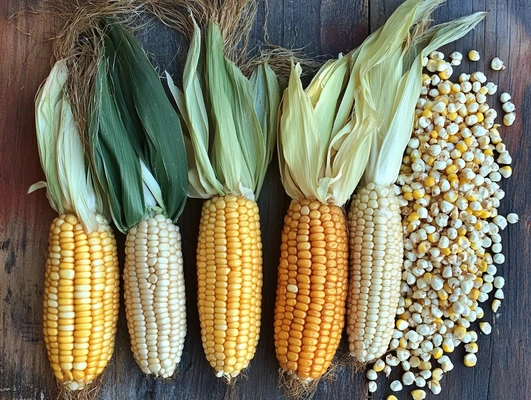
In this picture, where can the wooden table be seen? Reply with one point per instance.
(324, 27)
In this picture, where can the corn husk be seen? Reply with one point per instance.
(324, 140)
(135, 135)
(230, 119)
(69, 182)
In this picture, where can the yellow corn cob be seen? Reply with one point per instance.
(312, 288)
(229, 274)
(81, 300)
(155, 295)
(376, 248)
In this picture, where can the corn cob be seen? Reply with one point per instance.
(81, 300)
(81, 285)
(312, 287)
(154, 295)
(322, 156)
(227, 171)
(376, 244)
(229, 274)
(146, 195)
(377, 252)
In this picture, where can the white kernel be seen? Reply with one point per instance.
(396, 386)
(508, 107)
(372, 375)
(512, 218)
(505, 97)
(485, 327)
(496, 64)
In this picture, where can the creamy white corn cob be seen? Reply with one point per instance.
(377, 251)
(155, 295)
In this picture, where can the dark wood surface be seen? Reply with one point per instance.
(324, 27)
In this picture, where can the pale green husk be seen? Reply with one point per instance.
(135, 135)
(69, 184)
(324, 140)
(356, 116)
(231, 120)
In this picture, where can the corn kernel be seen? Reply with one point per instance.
(437, 353)
(470, 360)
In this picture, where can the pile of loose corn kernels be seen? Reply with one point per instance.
(449, 194)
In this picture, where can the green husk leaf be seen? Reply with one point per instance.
(69, 185)
(163, 141)
(238, 138)
(266, 91)
(191, 104)
(116, 162)
(231, 120)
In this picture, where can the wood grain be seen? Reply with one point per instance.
(321, 27)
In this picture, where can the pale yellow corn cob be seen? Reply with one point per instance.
(81, 300)
(229, 275)
(376, 247)
(155, 295)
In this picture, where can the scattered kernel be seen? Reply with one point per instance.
(496, 64)
(473, 55)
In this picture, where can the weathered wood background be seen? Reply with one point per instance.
(324, 27)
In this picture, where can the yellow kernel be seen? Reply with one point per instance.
(427, 113)
(452, 116)
(413, 217)
(437, 353)
(423, 247)
(418, 394)
(417, 194)
(461, 146)
(408, 196)
(459, 332)
(480, 116)
(470, 360)
(430, 181)
(451, 169)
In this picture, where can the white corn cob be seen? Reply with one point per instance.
(155, 295)
(376, 248)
